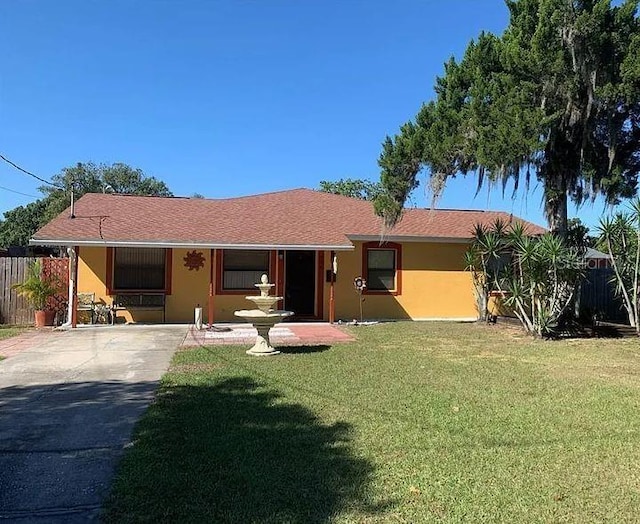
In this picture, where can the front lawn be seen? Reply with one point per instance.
(414, 422)
(10, 331)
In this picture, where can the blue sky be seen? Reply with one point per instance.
(233, 97)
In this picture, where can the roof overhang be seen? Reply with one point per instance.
(401, 238)
(595, 254)
(186, 245)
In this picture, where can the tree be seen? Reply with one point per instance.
(556, 96)
(578, 235)
(21, 223)
(620, 237)
(98, 178)
(354, 188)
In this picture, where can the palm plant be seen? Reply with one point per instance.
(620, 237)
(37, 288)
(537, 276)
(542, 281)
(482, 259)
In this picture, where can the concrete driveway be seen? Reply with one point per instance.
(67, 409)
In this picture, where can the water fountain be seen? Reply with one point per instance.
(263, 318)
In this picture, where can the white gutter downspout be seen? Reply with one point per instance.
(72, 284)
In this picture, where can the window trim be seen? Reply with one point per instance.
(384, 246)
(220, 290)
(168, 268)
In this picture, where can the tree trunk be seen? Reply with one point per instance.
(555, 203)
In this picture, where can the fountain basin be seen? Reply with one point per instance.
(264, 304)
(263, 322)
(257, 313)
(263, 318)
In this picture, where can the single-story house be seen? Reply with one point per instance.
(159, 258)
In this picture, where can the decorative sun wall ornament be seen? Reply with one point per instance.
(194, 260)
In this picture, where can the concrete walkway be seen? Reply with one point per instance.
(13, 345)
(283, 334)
(68, 405)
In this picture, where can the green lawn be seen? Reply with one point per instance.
(10, 331)
(415, 422)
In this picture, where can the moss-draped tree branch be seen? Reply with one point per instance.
(555, 97)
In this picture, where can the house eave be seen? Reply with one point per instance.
(401, 238)
(186, 245)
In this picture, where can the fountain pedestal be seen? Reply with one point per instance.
(263, 325)
(263, 318)
(262, 345)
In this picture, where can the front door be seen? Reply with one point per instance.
(300, 282)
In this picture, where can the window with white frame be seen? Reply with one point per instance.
(381, 269)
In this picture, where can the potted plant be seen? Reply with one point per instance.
(37, 288)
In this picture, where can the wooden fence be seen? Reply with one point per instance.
(14, 309)
(597, 296)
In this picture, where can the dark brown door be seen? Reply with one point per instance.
(300, 283)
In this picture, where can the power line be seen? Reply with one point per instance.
(30, 173)
(18, 192)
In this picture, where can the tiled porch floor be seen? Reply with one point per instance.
(285, 334)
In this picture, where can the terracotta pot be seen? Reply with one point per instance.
(44, 318)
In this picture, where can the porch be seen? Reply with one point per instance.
(283, 334)
(164, 285)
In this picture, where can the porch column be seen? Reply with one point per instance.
(212, 288)
(279, 273)
(332, 301)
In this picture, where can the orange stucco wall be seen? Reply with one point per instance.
(434, 286)
(189, 288)
(92, 272)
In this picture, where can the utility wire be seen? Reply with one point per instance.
(29, 173)
(18, 192)
(91, 217)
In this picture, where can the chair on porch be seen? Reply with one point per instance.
(86, 302)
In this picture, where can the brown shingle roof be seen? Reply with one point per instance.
(298, 217)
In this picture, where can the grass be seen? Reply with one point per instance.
(414, 422)
(10, 331)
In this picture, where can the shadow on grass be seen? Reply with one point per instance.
(301, 350)
(232, 451)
